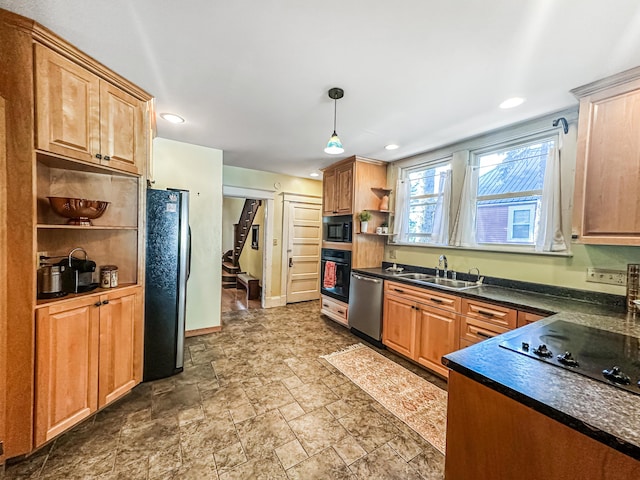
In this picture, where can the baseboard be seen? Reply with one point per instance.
(202, 331)
(271, 302)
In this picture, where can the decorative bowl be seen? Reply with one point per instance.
(79, 211)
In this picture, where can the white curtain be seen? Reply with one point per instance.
(549, 237)
(401, 219)
(464, 230)
(440, 234)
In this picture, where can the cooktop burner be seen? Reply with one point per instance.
(609, 357)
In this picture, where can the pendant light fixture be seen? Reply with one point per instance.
(334, 145)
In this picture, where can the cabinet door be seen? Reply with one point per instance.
(66, 366)
(67, 106)
(437, 336)
(122, 135)
(344, 199)
(399, 325)
(525, 318)
(607, 202)
(329, 193)
(119, 335)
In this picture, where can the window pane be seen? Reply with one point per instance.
(421, 216)
(509, 191)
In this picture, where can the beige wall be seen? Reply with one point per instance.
(552, 270)
(273, 182)
(199, 170)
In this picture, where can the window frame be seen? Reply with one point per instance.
(500, 147)
(423, 167)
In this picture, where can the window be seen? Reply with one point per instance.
(426, 204)
(509, 192)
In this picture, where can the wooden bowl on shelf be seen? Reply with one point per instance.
(79, 211)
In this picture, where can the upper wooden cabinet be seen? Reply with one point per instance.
(607, 200)
(337, 198)
(84, 117)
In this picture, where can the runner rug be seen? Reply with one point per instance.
(418, 403)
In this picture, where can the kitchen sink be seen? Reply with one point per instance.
(449, 283)
(426, 279)
(415, 276)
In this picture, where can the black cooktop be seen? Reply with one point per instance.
(609, 357)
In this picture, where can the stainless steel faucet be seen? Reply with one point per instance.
(443, 259)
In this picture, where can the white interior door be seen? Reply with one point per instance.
(303, 251)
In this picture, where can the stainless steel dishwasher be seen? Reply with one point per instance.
(365, 307)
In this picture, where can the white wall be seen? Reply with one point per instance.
(199, 170)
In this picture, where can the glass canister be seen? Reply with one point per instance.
(633, 286)
(108, 276)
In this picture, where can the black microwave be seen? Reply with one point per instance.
(338, 229)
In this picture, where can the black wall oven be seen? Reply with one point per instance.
(337, 287)
(338, 229)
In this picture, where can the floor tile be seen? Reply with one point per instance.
(349, 450)
(261, 468)
(229, 457)
(291, 454)
(317, 430)
(324, 465)
(261, 434)
(383, 464)
(291, 411)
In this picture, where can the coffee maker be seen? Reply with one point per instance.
(77, 276)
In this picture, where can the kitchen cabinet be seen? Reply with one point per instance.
(348, 189)
(420, 324)
(606, 200)
(335, 310)
(86, 118)
(65, 108)
(87, 355)
(337, 190)
(492, 436)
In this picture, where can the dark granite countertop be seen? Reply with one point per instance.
(600, 411)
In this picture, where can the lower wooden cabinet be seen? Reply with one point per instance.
(399, 324)
(420, 324)
(88, 353)
(334, 309)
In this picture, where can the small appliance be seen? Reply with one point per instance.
(77, 275)
(338, 229)
(50, 281)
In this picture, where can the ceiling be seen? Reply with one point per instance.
(251, 76)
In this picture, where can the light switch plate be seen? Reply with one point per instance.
(610, 277)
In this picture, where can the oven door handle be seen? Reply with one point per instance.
(341, 264)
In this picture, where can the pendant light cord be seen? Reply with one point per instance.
(335, 109)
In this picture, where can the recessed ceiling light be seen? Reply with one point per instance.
(172, 117)
(391, 146)
(512, 102)
(314, 174)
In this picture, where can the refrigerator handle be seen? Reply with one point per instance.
(189, 261)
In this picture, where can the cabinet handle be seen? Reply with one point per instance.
(485, 313)
(97, 304)
(107, 157)
(325, 305)
(436, 300)
(106, 302)
(98, 156)
(398, 290)
(483, 335)
(341, 312)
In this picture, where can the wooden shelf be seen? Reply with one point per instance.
(84, 227)
(379, 211)
(377, 234)
(380, 189)
(71, 296)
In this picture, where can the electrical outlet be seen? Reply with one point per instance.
(40, 254)
(275, 242)
(610, 277)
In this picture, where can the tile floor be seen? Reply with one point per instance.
(254, 401)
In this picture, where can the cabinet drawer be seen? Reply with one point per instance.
(502, 317)
(334, 309)
(475, 331)
(425, 296)
(525, 318)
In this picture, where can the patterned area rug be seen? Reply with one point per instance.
(418, 403)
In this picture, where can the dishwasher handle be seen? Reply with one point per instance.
(368, 279)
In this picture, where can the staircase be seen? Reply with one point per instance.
(230, 260)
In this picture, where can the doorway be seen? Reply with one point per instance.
(257, 251)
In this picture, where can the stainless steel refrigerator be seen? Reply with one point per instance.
(168, 255)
